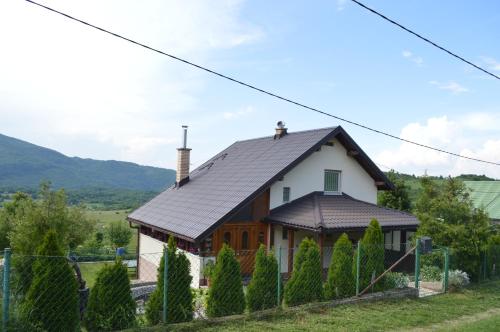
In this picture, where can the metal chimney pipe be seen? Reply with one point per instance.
(184, 141)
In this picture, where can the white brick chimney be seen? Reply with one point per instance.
(182, 175)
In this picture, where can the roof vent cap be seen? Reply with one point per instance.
(280, 130)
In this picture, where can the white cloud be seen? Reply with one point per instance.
(460, 135)
(237, 114)
(452, 86)
(492, 63)
(62, 83)
(341, 4)
(410, 56)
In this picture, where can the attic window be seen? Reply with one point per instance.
(286, 194)
(332, 182)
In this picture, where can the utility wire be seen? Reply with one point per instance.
(425, 39)
(262, 90)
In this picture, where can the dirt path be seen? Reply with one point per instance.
(458, 322)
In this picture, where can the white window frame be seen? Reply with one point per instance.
(339, 189)
(289, 194)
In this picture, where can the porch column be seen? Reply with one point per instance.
(269, 231)
(321, 243)
(290, 250)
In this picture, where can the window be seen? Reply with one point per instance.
(244, 240)
(286, 194)
(284, 233)
(332, 181)
(227, 237)
(261, 238)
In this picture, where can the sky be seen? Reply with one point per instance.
(84, 93)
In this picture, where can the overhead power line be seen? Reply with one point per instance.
(425, 39)
(272, 94)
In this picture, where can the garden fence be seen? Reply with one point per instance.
(156, 288)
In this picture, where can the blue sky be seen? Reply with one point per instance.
(87, 94)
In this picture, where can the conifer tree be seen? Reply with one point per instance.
(340, 282)
(225, 296)
(262, 291)
(111, 306)
(372, 256)
(306, 283)
(179, 295)
(51, 303)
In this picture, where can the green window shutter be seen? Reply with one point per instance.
(332, 181)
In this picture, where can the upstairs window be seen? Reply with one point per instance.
(332, 182)
(286, 194)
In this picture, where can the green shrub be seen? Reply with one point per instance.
(225, 296)
(372, 256)
(111, 306)
(51, 302)
(262, 292)
(179, 295)
(493, 257)
(396, 280)
(340, 282)
(306, 283)
(430, 273)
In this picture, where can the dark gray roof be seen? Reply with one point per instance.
(317, 210)
(226, 183)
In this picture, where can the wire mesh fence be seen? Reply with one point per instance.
(65, 294)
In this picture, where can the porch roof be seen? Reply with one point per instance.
(318, 211)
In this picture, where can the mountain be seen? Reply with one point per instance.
(24, 165)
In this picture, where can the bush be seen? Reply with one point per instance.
(262, 291)
(306, 283)
(225, 296)
(457, 279)
(179, 295)
(372, 256)
(396, 280)
(51, 302)
(111, 306)
(430, 273)
(340, 282)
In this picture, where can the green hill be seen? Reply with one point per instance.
(24, 165)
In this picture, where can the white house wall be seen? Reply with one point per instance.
(308, 176)
(151, 252)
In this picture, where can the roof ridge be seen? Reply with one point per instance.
(290, 133)
(317, 210)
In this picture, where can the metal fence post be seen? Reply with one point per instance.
(417, 263)
(6, 288)
(446, 268)
(165, 284)
(358, 265)
(279, 277)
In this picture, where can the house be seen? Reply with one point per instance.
(486, 194)
(275, 190)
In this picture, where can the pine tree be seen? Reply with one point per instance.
(262, 291)
(340, 282)
(306, 283)
(179, 296)
(111, 306)
(51, 303)
(225, 296)
(372, 256)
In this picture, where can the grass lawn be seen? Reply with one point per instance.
(474, 309)
(105, 217)
(89, 271)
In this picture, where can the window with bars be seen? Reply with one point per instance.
(286, 194)
(332, 181)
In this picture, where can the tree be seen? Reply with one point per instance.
(7, 215)
(447, 215)
(179, 295)
(340, 281)
(372, 255)
(398, 198)
(225, 296)
(51, 302)
(111, 306)
(119, 234)
(262, 292)
(306, 283)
